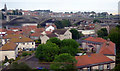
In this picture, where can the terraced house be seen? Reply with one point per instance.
(13, 43)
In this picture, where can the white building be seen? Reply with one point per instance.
(13, 43)
(10, 50)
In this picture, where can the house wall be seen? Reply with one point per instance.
(66, 35)
(85, 45)
(50, 28)
(112, 57)
(9, 54)
(26, 45)
(94, 68)
(44, 39)
(34, 37)
(112, 65)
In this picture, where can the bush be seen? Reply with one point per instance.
(11, 60)
(24, 54)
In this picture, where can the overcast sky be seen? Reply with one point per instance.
(110, 6)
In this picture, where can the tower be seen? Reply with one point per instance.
(5, 7)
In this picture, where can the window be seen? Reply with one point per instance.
(23, 43)
(100, 67)
(32, 43)
(89, 69)
(108, 66)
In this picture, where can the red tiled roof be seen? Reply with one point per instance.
(108, 49)
(92, 59)
(48, 32)
(91, 25)
(2, 30)
(10, 32)
(19, 32)
(36, 34)
(105, 49)
(96, 39)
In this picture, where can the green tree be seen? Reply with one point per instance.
(37, 42)
(69, 43)
(115, 36)
(47, 51)
(75, 34)
(70, 50)
(96, 20)
(63, 61)
(66, 23)
(103, 33)
(55, 40)
(21, 66)
(63, 23)
(69, 46)
(59, 24)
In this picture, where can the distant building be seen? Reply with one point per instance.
(63, 34)
(50, 27)
(59, 33)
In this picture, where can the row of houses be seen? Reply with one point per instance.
(13, 43)
(17, 39)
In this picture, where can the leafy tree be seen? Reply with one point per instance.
(115, 36)
(75, 34)
(69, 43)
(67, 49)
(24, 54)
(11, 60)
(69, 46)
(47, 51)
(59, 24)
(102, 33)
(66, 23)
(38, 41)
(63, 61)
(96, 20)
(62, 24)
(21, 66)
(55, 40)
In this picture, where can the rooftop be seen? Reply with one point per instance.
(8, 46)
(93, 59)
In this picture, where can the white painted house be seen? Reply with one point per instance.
(13, 43)
(10, 50)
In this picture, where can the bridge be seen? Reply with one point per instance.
(39, 19)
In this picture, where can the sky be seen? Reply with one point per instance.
(110, 6)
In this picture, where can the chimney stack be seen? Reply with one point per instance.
(108, 41)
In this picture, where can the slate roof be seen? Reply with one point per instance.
(51, 35)
(60, 31)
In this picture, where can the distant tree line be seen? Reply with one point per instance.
(63, 23)
(14, 12)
